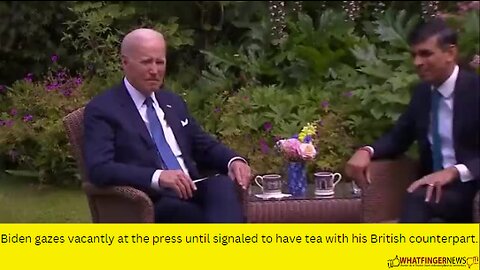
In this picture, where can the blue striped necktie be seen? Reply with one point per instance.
(158, 136)
(436, 141)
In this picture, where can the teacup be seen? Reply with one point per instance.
(270, 183)
(325, 183)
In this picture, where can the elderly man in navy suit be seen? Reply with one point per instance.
(141, 135)
(444, 118)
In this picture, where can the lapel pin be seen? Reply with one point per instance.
(169, 106)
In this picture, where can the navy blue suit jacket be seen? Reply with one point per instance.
(414, 124)
(118, 149)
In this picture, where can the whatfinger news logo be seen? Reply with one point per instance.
(422, 261)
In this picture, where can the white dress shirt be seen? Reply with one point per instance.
(139, 100)
(445, 125)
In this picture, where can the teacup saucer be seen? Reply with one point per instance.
(324, 196)
(273, 196)
(325, 193)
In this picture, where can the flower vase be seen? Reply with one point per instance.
(297, 178)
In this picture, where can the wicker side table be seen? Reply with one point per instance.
(344, 207)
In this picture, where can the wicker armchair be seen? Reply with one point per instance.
(119, 204)
(381, 200)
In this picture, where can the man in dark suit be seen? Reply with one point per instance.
(141, 135)
(444, 118)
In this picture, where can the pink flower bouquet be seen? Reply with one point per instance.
(299, 148)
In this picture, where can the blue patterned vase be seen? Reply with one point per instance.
(297, 178)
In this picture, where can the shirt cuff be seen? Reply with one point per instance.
(465, 174)
(370, 149)
(155, 177)
(233, 159)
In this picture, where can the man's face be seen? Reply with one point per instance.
(432, 62)
(145, 65)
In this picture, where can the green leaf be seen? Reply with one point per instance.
(305, 24)
(469, 35)
(380, 70)
(23, 173)
(365, 53)
(376, 113)
(230, 131)
(287, 129)
(319, 59)
(394, 27)
(393, 115)
(306, 114)
(389, 98)
(281, 110)
(252, 121)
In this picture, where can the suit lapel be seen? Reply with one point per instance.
(460, 99)
(172, 119)
(425, 115)
(133, 117)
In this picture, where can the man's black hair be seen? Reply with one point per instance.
(435, 27)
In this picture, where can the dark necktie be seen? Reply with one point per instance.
(436, 141)
(158, 136)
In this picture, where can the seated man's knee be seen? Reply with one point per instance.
(221, 201)
(220, 185)
(173, 210)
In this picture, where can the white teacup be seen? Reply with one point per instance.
(325, 183)
(270, 183)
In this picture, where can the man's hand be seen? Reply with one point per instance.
(356, 168)
(435, 181)
(179, 182)
(240, 172)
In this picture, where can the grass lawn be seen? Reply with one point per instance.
(22, 201)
